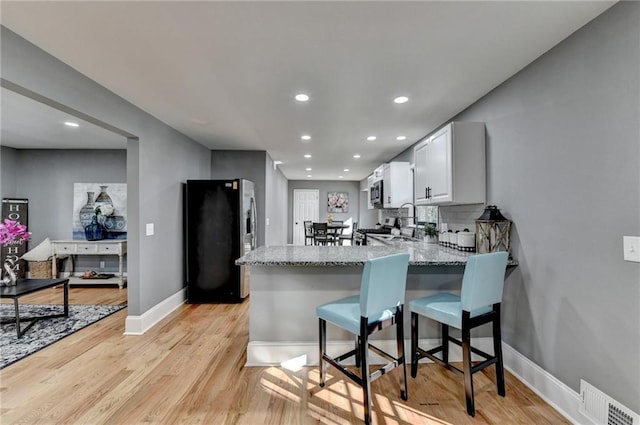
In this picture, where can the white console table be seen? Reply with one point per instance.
(78, 247)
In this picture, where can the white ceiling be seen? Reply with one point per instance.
(225, 73)
(27, 123)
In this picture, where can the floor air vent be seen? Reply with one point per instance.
(602, 409)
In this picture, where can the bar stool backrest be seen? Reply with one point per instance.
(483, 280)
(384, 280)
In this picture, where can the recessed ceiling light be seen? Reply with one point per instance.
(401, 137)
(340, 177)
(305, 137)
(346, 170)
(307, 156)
(307, 169)
(71, 124)
(301, 97)
(356, 156)
(401, 99)
(309, 175)
(371, 138)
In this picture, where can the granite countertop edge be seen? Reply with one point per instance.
(318, 256)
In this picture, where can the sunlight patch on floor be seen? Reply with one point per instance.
(343, 396)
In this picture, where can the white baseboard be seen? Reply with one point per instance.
(272, 354)
(138, 325)
(546, 386)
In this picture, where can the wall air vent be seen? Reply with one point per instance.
(602, 409)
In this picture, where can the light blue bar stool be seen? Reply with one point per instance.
(380, 304)
(478, 303)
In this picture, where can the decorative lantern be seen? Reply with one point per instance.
(492, 231)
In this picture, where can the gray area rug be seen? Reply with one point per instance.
(47, 331)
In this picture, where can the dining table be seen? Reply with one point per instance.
(334, 230)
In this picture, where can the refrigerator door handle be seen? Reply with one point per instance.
(254, 214)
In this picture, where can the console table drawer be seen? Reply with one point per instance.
(65, 248)
(109, 249)
(87, 248)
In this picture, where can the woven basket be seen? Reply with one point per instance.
(40, 269)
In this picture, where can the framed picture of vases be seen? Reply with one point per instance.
(99, 211)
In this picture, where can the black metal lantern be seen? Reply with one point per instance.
(493, 231)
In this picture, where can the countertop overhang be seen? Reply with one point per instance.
(421, 254)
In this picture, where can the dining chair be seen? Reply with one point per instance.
(320, 234)
(478, 303)
(308, 232)
(349, 236)
(380, 304)
(336, 231)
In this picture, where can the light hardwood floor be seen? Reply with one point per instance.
(189, 369)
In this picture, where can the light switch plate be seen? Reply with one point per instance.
(150, 229)
(631, 246)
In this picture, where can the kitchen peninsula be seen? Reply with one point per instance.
(288, 282)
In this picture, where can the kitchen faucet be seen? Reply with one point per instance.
(399, 212)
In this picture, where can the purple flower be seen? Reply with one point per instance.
(12, 231)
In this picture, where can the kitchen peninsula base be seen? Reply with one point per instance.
(289, 282)
(72, 248)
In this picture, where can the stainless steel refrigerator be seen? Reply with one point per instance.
(220, 226)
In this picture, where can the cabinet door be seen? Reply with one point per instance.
(387, 187)
(369, 184)
(420, 172)
(439, 170)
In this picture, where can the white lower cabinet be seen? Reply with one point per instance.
(450, 165)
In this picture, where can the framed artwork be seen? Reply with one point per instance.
(338, 202)
(103, 203)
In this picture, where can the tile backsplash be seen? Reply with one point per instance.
(459, 217)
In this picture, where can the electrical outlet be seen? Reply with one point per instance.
(150, 229)
(631, 246)
(101, 265)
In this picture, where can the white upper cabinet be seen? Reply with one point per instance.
(450, 166)
(370, 181)
(397, 184)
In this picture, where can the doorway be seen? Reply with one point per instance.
(305, 208)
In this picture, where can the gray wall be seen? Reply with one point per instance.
(46, 178)
(352, 187)
(9, 172)
(257, 166)
(563, 155)
(275, 205)
(159, 160)
(248, 165)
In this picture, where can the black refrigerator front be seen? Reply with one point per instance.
(219, 228)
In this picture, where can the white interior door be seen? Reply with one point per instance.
(305, 208)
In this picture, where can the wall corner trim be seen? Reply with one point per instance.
(138, 325)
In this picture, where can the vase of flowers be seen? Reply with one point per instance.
(12, 233)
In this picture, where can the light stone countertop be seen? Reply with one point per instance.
(421, 254)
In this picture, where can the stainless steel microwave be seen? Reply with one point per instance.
(375, 194)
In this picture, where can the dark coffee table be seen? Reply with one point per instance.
(28, 286)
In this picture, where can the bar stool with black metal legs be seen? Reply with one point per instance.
(478, 303)
(380, 304)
